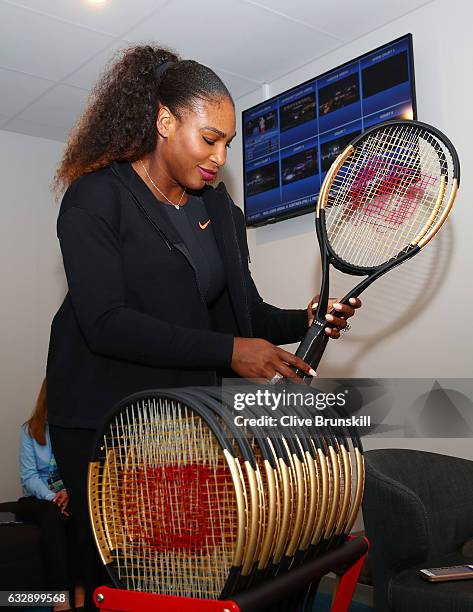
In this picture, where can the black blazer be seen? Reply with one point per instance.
(133, 317)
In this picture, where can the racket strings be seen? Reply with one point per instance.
(421, 184)
(373, 209)
(176, 517)
(260, 510)
(382, 177)
(384, 194)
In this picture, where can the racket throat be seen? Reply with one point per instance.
(313, 346)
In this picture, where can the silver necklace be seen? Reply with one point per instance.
(176, 206)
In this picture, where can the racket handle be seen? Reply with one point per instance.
(313, 346)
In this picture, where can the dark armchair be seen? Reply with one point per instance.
(20, 557)
(418, 513)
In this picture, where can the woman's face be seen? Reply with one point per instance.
(196, 147)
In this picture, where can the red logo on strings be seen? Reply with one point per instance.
(385, 194)
(174, 507)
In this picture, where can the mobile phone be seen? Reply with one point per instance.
(441, 574)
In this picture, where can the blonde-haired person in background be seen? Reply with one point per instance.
(45, 503)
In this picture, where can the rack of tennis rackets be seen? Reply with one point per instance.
(185, 503)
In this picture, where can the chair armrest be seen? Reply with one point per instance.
(404, 541)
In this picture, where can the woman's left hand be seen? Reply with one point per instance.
(62, 499)
(334, 322)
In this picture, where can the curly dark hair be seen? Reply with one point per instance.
(119, 122)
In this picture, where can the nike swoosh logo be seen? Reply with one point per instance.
(204, 225)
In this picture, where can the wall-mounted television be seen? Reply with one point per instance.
(290, 140)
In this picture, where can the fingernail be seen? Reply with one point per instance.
(352, 301)
(312, 372)
(337, 306)
(328, 330)
(329, 317)
(314, 305)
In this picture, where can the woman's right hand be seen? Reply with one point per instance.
(257, 358)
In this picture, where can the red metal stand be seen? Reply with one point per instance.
(118, 600)
(352, 553)
(346, 587)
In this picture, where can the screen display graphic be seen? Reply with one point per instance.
(290, 141)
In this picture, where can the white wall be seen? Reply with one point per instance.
(415, 321)
(32, 285)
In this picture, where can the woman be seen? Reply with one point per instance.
(45, 502)
(156, 260)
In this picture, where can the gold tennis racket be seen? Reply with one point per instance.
(168, 501)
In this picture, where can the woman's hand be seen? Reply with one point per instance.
(257, 358)
(62, 499)
(337, 322)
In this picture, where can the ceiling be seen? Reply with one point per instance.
(52, 51)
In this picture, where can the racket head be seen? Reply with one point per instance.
(389, 191)
(286, 444)
(166, 499)
(342, 438)
(253, 475)
(266, 459)
(282, 449)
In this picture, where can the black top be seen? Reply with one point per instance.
(134, 318)
(193, 223)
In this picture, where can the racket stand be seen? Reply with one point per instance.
(346, 560)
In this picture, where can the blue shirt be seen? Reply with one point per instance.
(37, 465)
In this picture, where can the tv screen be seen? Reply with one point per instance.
(290, 140)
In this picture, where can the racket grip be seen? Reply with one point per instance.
(313, 346)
